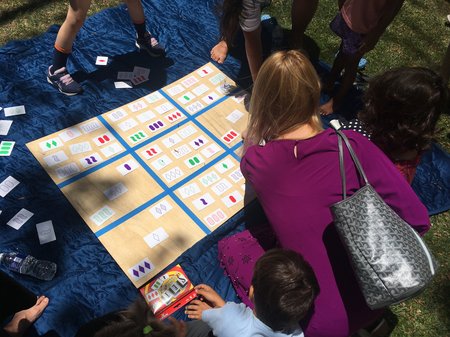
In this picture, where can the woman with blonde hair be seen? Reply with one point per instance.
(293, 166)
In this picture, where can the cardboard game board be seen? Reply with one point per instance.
(154, 176)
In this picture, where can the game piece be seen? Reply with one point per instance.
(15, 110)
(101, 61)
(20, 219)
(7, 186)
(4, 127)
(122, 85)
(46, 232)
(169, 292)
(6, 148)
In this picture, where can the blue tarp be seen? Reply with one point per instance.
(88, 282)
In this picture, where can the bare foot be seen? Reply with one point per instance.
(327, 108)
(23, 319)
(219, 52)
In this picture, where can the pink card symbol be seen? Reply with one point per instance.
(232, 199)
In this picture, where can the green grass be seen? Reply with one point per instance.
(417, 37)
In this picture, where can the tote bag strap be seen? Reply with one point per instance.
(343, 137)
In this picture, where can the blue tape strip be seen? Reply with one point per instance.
(167, 191)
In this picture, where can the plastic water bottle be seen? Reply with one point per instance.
(28, 265)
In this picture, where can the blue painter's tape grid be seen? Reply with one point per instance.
(167, 191)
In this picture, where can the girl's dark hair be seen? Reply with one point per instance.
(402, 107)
(133, 321)
(285, 288)
(229, 20)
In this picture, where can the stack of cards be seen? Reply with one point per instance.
(136, 77)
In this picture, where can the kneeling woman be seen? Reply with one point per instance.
(293, 165)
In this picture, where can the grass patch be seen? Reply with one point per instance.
(417, 37)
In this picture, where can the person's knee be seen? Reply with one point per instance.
(76, 20)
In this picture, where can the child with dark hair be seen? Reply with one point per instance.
(283, 290)
(137, 321)
(360, 24)
(402, 107)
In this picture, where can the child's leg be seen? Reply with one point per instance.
(57, 74)
(302, 12)
(144, 39)
(335, 72)
(64, 40)
(219, 52)
(350, 63)
(137, 16)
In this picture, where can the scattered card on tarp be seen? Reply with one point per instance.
(168, 292)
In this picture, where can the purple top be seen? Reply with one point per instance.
(296, 195)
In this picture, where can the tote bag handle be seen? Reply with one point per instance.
(342, 136)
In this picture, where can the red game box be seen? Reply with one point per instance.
(168, 292)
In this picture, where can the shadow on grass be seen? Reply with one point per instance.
(32, 5)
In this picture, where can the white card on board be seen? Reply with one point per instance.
(90, 126)
(50, 144)
(80, 148)
(156, 237)
(175, 90)
(67, 170)
(145, 116)
(210, 150)
(232, 199)
(91, 160)
(56, 158)
(234, 116)
(111, 149)
(115, 191)
(201, 89)
(128, 124)
(69, 134)
(117, 115)
(102, 215)
(160, 209)
(189, 190)
(203, 202)
(127, 167)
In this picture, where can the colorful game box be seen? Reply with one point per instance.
(169, 292)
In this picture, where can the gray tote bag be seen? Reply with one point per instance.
(390, 260)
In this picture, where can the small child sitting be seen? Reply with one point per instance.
(283, 290)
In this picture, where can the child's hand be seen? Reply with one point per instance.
(195, 309)
(210, 295)
(180, 327)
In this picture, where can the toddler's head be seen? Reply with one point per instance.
(283, 289)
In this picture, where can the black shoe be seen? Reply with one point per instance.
(150, 45)
(62, 80)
